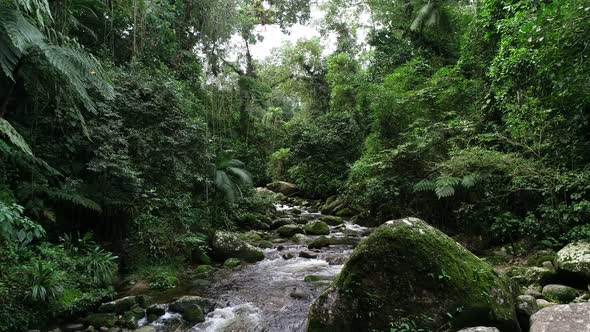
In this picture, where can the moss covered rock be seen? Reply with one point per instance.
(102, 319)
(317, 228)
(228, 245)
(559, 293)
(119, 305)
(526, 276)
(289, 230)
(231, 262)
(575, 259)
(332, 220)
(407, 269)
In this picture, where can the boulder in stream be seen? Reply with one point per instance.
(289, 230)
(407, 269)
(574, 259)
(192, 308)
(317, 228)
(228, 245)
(562, 318)
(332, 220)
(559, 293)
(285, 188)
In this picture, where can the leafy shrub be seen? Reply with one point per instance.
(279, 163)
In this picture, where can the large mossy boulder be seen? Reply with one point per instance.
(228, 245)
(102, 319)
(408, 270)
(317, 228)
(285, 188)
(289, 230)
(193, 308)
(574, 259)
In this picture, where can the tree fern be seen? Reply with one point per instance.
(445, 186)
(226, 170)
(7, 130)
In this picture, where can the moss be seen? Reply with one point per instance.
(408, 268)
(102, 319)
(317, 228)
(194, 315)
(289, 230)
(204, 269)
(332, 220)
(231, 262)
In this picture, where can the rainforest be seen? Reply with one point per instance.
(295, 165)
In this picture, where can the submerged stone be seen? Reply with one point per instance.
(407, 269)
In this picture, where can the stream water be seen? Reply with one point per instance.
(271, 295)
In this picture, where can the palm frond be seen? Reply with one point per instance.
(242, 174)
(225, 185)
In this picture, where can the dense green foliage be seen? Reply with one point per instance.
(137, 122)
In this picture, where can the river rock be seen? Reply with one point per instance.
(532, 275)
(562, 318)
(228, 245)
(102, 319)
(332, 220)
(193, 308)
(479, 329)
(73, 327)
(559, 293)
(542, 303)
(317, 228)
(145, 329)
(299, 238)
(526, 306)
(281, 222)
(156, 310)
(285, 188)
(232, 262)
(119, 305)
(575, 259)
(307, 254)
(289, 230)
(406, 268)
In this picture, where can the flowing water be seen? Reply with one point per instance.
(271, 295)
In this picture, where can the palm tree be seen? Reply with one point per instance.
(431, 14)
(229, 173)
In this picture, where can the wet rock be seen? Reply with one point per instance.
(280, 247)
(299, 238)
(145, 329)
(288, 256)
(289, 230)
(317, 228)
(313, 278)
(542, 303)
(156, 310)
(204, 270)
(531, 275)
(264, 244)
(307, 254)
(119, 305)
(526, 306)
(561, 318)
(332, 220)
(281, 222)
(575, 259)
(228, 245)
(533, 292)
(73, 327)
(416, 270)
(559, 293)
(192, 308)
(102, 319)
(479, 329)
(285, 188)
(299, 294)
(232, 262)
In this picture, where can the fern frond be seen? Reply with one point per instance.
(6, 129)
(242, 174)
(225, 185)
(75, 199)
(468, 181)
(425, 185)
(445, 186)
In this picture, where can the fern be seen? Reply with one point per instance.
(444, 186)
(425, 185)
(74, 199)
(14, 137)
